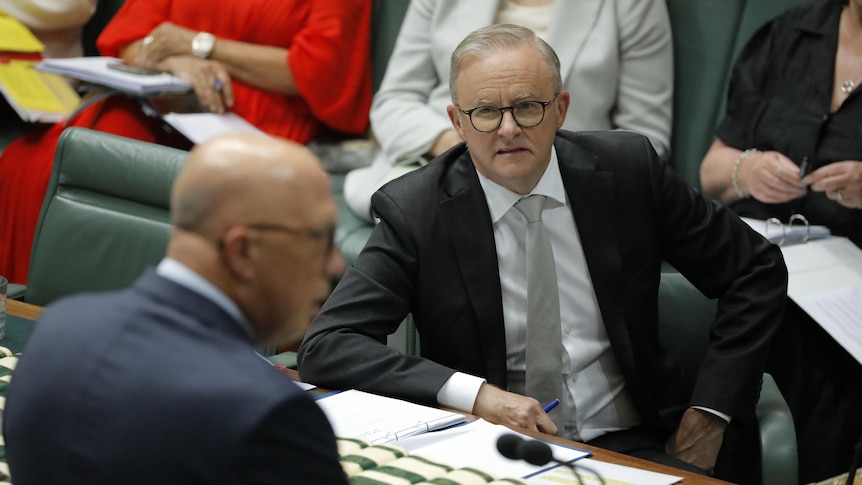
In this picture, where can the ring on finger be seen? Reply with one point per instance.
(148, 40)
(840, 195)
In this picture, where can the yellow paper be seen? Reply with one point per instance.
(16, 37)
(32, 90)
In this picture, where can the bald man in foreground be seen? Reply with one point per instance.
(160, 383)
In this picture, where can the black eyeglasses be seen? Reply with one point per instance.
(316, 234)
(526, 114)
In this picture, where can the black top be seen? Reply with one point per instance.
(780, 98)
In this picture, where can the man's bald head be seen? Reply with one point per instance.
(233, 177)
(255, 217)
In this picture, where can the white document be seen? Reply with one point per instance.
(475, 445)
(200, 127)
(95, 70)
(825, 280)
(380, 419)
(589, 471)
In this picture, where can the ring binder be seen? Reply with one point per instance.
(797, 230)
(797, 237)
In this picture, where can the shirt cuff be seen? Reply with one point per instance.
(459, 392)
(723, 416)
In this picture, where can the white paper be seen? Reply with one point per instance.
(475, 445)
(200, 127)
(380, 419)
(842, 310)
(825, 280)
(588, 469)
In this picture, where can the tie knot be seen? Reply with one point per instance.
(531, 207)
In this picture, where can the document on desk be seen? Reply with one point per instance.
(475, 445)
(200, 127)
(590, 470)
(825, 280)
(380, 419)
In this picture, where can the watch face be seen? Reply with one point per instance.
(202, 44)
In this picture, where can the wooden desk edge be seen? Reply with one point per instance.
(600, 454)
(23, 310)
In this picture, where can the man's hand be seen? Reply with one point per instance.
(698, 439)
(497, 405)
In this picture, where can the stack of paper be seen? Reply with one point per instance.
(380, 419)
(36, 96)
(97, 70)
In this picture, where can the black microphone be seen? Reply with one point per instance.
(535, 452)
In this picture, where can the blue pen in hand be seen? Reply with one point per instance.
(551, 405)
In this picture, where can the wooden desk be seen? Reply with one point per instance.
(24, 310)
(605, 455)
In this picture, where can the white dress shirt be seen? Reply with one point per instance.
(597, 401)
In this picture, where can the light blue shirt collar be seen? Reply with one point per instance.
(501, 199)
(182, 275)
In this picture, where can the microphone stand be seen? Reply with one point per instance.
(536, 452)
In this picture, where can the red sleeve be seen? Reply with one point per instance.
(134, 20)
(330, 63)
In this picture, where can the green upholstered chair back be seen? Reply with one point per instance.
(105, 217)
(685, 316)
(704, 34)
(386, 17)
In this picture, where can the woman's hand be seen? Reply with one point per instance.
(210, 80)
(166, 40)
(841, 181)
(770, 177)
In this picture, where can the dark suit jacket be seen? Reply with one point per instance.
(156, 384)
(432, 254)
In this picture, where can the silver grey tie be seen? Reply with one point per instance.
(544, 341)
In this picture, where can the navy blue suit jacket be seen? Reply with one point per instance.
(156, 384)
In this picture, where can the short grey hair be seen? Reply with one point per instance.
(499, 37)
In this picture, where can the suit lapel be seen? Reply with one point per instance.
(593, 199)
(467, 218)
(570, 27)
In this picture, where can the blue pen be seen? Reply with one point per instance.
(551, 405)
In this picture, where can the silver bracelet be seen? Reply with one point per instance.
(735, 172)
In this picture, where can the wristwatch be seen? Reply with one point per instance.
(202, 44)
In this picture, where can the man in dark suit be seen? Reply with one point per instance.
(160, 383)
(449, 248)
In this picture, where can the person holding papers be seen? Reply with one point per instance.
(514, 314)
(160, 382)
(289, 68)
(790, 143)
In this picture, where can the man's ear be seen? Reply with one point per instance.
(237, 249)
(563, 100)
(455, 118)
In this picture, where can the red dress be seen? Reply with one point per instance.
(328, 55)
